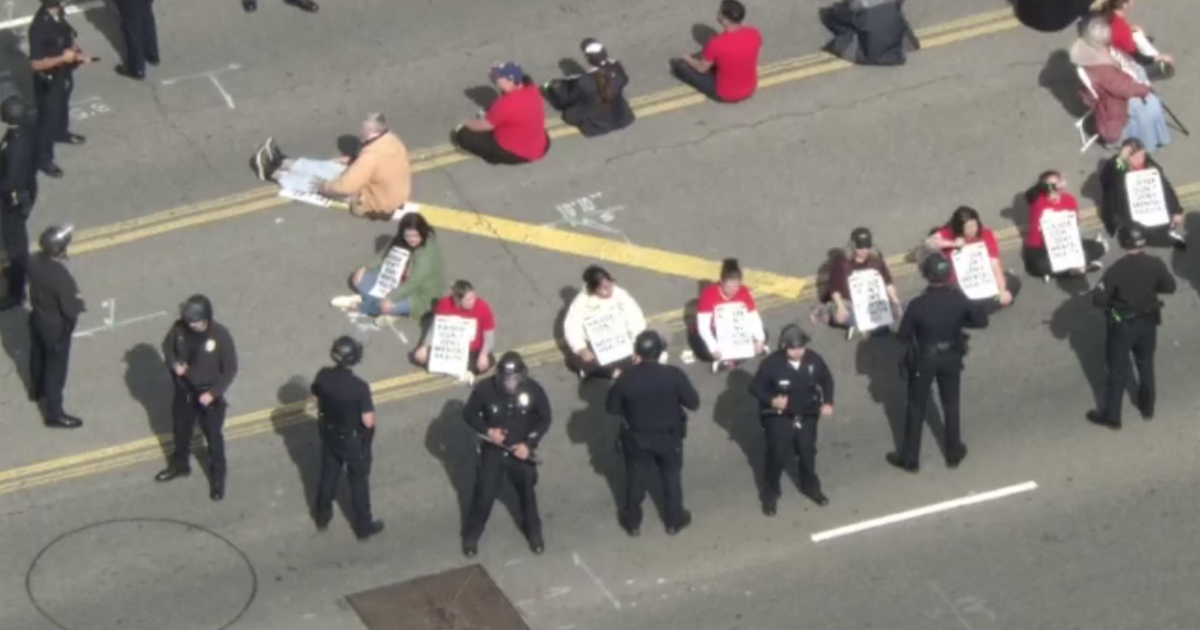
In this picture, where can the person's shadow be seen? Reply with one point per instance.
(1060, 78)
(1093, 190)
(302, 438)
(14, 336)
(736, 412)
(1017, 211)
(149, 382)
(878, 359)
(567, 294)
(825, 271)
(691, 328)
(594, 427)
(104, 19)
(16, 77)
(570, 67)
(702, 34)
(482, 95)
(1186, 263)
(1078, 322)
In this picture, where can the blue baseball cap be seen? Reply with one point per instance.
(508, 70)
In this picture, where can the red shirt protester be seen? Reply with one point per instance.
(985, 234)
(482, 314)
(734, 55)
(1122, 35)
(520, 121)
(1044, 203)
(711, 297)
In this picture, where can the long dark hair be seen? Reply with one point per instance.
(960, 217)
(412, 221)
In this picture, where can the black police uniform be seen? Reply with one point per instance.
(18, 193)
(51, 36)
(342, 399)
(212, 364)
(932, 332)
(141, 36)
(792, 432)
(651, 399)
(1128, 292)
(56, 307)
(525, 415)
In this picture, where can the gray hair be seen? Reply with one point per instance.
(376, 122)
(1097, 31)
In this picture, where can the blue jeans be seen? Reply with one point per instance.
(373, 306)
(1147, 122)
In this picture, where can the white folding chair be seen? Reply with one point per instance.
(1080, 125)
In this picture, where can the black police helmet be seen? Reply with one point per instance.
(510, 364)
(197, 308)
(792, 336)
(55, 239)
(14, 110)
(346, 351)
(936, 268)
(649, 345)
(1131, 237)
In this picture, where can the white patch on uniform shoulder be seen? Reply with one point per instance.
(523, 399)
(210, 345)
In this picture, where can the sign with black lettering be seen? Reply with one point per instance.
(608, 337)
(391, 272)
(450, 344)
(1060, 233)
(1147, 200)
(973, 268)
(735, 340)
(868, 296)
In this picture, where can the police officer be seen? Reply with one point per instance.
(141, 37)
(56, 307)
(346, 415)
(510, 413)
(203, 363)
(1129, 294)
(54, 55)
(932, 333)
(794, 387)
(18, 192)
(651, 399)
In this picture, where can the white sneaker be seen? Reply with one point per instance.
(1103, 241)
(716, 367)
(850, 333)
(467, 379)
(346, 302)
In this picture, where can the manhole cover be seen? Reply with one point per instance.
(460, 599)
(141, 574)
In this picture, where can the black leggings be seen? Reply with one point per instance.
(1037, 260)
(483, 144)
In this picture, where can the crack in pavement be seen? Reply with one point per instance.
(169, 121)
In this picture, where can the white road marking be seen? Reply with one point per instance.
(924, 511)
(70, 9)
(557, 591)
(111, 322)
(599, 583)
(211, 75)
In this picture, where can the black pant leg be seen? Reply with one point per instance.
(150, 33)
(132, 13)
(358, 474)
(37, 363)
(781, 448)
(637, 459)
(1093, 250)
(64, 106)
(703, 82)
(483, 145)
(15, 234)
(56, 354)
(949, 382)
(490, 474)
(1037, 261)
(524, 477)
(212, 424)
(331, 472)
(1144, 347)
(183, 419)
(806, 447)
(920, 382)
(669, 457)
(1118, 344)
(45, 94)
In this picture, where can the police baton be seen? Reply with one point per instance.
(532, 459)
(1175, 118)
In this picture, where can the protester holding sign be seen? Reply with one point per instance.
(406, 281)
(1134, 190)
(1048, 202)
(464, 302)
(728, 326)
(1133, 41)
(600, 326)
(860, 270)
(964, 229)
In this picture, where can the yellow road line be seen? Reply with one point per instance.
(411, 385)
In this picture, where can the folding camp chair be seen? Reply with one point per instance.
(1080, 124)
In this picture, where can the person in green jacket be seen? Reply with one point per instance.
(406, 281)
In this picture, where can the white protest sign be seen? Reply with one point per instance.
(391, 272)
(973, 268)
(1060, 233)
(1147, 200)
(868, 296)
(735, 340)
(450, 344)
(608, 337)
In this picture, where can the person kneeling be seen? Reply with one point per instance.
(1048, 202)
(729, 328)
(593, 101)
(600, 326)
(406, 281)
(464, 303)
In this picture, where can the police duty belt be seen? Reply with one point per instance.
(532, 459)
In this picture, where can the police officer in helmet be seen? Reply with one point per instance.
(346, 415)
(653, 400)
(18, 192)
(55, 309)
(935, 344)
(1129, 294)
(510, 413)
(794, 388)
(203, 362)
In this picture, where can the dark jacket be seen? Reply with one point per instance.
(869, 32)
(1131, 286)
(938, 316)
(579, 99)
(211, 357)
(525, 415)
(807, 387)
(651, 397)
(18, 171)
(53, 297)
(342, 399)
(1114, 199)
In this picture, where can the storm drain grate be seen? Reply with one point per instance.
(459, 599)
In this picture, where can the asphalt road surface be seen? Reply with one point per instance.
(1089, 529)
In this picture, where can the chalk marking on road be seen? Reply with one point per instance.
(111, 322)
(557, 591)
(962, 607)
(596, 580)
(211, 75)
(70, 9)
(89, 108)
(9, 7)
(399, 333)
(582, 213)
(936, 508)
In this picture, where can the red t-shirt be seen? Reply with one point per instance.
(482, 314)
(985, 234)
(1122, 35)
(734, 55)
(711, 297)
(520, 122)
(1066, 203)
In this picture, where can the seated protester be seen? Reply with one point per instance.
(1133, 42)
(601, 298)
(1114, 199)
(837, 307)
(728, 69)
(464, 302)
(595, 100)
(869, 32)
(513, 131)
(1048, 195)
(406, 281)
(1123, 107)
(966, 228)
(729, 291)
(376, 182)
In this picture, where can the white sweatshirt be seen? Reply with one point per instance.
(585, 306)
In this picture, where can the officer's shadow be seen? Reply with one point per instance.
(14, 335)
(452, 441)
(736, 412)
(878, 359)
(595, 428)
(302, 439)
(149, 382)
(1081, 325)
